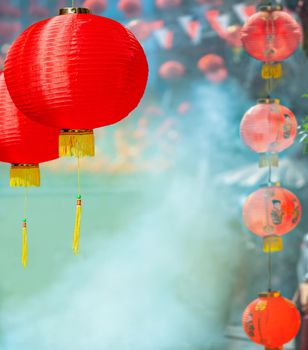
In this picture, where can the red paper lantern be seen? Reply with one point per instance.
(171, 70)
(211, 63)
(218, 76)
(268, 127)
(97, 6)
(271, 320)
(271, 35)
(130, 8)
(23, 143)
(76, 72)
(270, 212)
(167, 4)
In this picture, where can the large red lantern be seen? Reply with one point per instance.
(130, 8)
(76, 72)
(271, 35)
(271, 320)
(269, 128)
(24, 144)
(271, 212)
(171, 70)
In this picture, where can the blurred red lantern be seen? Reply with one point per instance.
(8, 30)
(97, 6)
(23, 142)
(218, 76)
(8, 10)
(271, 35)
(141, 29)
(166, 4)
(268, 127)
(36, 10)
(171, 70)
(271, 212)
(184, 107)
(211, 63)
(76, 72)
(130, 8)
(271, 320)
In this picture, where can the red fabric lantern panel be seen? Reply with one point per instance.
(271, 320)
(271, 36)
(76, 71)
(130, 8)
(268, 127)
(23, 141)
(171, 70)
(271, 211)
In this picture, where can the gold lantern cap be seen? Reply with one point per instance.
(270, 8)
(74, 11)
(269, 101)
(270, 294)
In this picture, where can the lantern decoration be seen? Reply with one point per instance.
(171, 70)
(271, 35)
(268, 128)
(271, 320)
(141, 29)
(76, 72)
(270, 213)
(97, 6)
(168, 4)
(130, 8)
(213, 67)
(24, 144)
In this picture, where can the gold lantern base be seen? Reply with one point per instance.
(76, 143)
(272, 244)
(267, 160)
(25, 175)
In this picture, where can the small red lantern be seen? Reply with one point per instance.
(76, 72)
(213, 67)
(171, 70)
(271, 35)
(268, 127)
(141, 29)
(97, 6)
(167, 4)
(23, 143)
(271, 212)
(130, 8)
(271, 320)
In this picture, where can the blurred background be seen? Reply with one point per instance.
(165, 261)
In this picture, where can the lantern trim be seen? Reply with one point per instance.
(73, 11)
(270, 8)
(268, 100)
(272, 294)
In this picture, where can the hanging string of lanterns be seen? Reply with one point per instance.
(70, 74)
(268, 128)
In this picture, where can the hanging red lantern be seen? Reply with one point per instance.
(97, 6)
(271, 212)
(130, 8)
(171, 70)
(271, 320)
(269, 128)
(76, 72)
(271, 35)
(24, 144)
(213, 67)
(167, 4)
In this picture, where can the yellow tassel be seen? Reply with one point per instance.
(25, 175)
(76, 235)
(271, 71)
(24, 252)
(272, 244)
(76, 143)
(266, 160)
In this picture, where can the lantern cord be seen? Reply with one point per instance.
(269, 180)
(270, 269)
(76, 234)
(24, 250)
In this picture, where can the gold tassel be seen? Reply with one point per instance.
(272, 244)
(279, 348)
(25, 175)
(24, 252)
(76, 143)
(266, 160)
(271, 71)
(76, 235)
